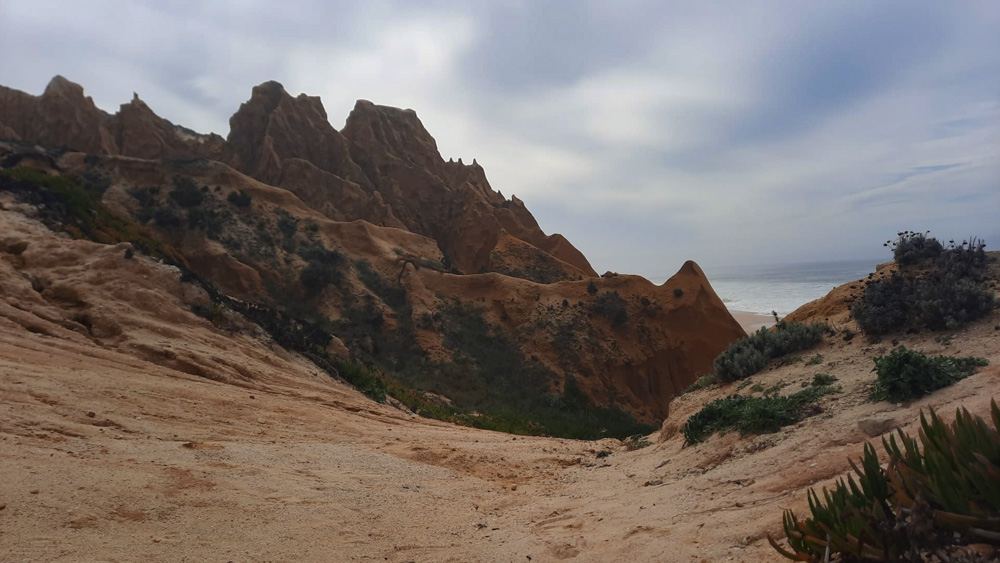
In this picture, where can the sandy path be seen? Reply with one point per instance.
(172, 467)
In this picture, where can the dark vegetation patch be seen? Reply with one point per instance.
(211, 221)
(904, 375)
(65, 204)
(287, 224)
(936, 287)
(611, 306)
(186, 192)
(492, 385)
(324, 267)
(815, 360)
(167, 218)
(823, 379)
(752, 415)
(538, 266)
(750, 355)
(239, 199)
(390, 292)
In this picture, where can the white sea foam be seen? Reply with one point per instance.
(783, 287)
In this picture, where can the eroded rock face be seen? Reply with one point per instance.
(64, 117)
(450, 202)
(380, 195)
(272, 127)
(624, 340)
(140, 133)
(383, 168)
(61, 116)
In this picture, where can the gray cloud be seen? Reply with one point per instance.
(646, 132)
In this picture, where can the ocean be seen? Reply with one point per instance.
(783, 287)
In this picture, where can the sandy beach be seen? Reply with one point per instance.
(752, 321)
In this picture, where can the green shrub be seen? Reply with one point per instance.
(751, 415)
(912, 248)
(749, 355)
(936, 287)
(145, 196)
(287, 224)
(935, 495)
(64, 204)
(391, 294)
(815, 360)
(789, 360)
(905, 374)
(491, 375)
(964, 260)
(324, 268)
(166, 217)
(823, 379)
(935, 300)
(208, 220)
(947, 302)
(636, 442)
(742, 359)
(611, 306)
(186, 193)
(94, 182)
(366, 380)
(239, 198)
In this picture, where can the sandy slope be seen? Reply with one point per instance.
(114, 448)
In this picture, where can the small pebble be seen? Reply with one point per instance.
(34, 491)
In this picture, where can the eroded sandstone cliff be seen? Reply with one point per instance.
(416, 264)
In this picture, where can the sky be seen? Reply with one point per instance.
(648, 133)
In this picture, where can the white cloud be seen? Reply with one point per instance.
(702, 137)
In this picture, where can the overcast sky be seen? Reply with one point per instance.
(646, 132)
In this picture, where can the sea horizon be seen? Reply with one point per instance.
(784, 287)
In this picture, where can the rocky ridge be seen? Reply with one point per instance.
(392, 225)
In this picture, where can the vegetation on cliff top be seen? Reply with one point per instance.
(749, 355)
(935, 287)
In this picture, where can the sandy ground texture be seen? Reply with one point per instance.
(132, 430)
(752, 321)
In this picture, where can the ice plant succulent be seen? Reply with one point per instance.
(938, 491)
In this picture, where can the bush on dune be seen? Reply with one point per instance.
(904, 374)
(752, 415)
(937, 287)
(750, 355)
